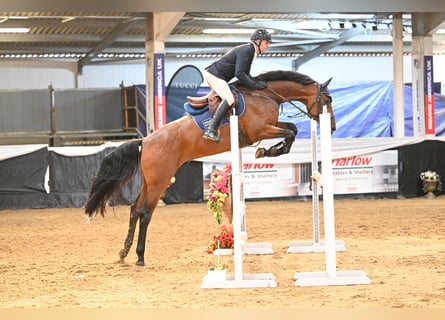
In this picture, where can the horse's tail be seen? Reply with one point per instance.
(116, 169)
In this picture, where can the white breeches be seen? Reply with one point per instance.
(220, 86)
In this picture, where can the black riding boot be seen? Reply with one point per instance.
(211, 133)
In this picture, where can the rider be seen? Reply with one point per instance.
(235, 63)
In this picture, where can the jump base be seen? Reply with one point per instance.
(258, 248)
(259, 280)
(311, 246)
(340, 278)
(251, 248)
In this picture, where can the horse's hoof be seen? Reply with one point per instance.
(260, 153)
(140, 263)
(122, 254)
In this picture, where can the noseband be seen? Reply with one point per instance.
(318, 102)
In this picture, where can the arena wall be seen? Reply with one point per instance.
(38, 176)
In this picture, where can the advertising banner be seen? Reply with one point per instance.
(185, 82)
(418, 113)
(372, 173)
(265, 180)
(159, 90)
(429, 96)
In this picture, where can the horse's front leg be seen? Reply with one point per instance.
(283, 129)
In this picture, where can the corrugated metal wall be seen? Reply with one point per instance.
(25, 111)
(75, 110)
(88, 109)
(37, 74)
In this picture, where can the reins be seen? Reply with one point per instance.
(317, 100)
(284, 99)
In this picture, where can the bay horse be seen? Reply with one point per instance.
(160, 154)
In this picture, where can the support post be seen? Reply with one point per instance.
(52, 111)
(238, 279)
(331, 276)
(315, 245)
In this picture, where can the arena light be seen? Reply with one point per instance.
(230, 31)
(227, 31)
(14, 30)
(215, 19)
(18, 17)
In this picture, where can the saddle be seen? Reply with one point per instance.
(212, 99)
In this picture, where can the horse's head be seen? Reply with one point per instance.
(286, 86)
(323, 99)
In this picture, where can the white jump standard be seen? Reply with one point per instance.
(331, 276)
(256, 248)
(238, 279)
(315, 245)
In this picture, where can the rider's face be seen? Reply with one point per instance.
(264, 45)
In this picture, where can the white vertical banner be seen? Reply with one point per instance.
(417, 96)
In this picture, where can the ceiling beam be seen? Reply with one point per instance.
(109, 39)
(435, 21)
(302, 6)
(424, 24)
(169, 21)
(59, 24)
(326, 47)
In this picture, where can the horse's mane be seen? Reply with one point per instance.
(282, 75)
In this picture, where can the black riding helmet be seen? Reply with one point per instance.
(261, 34)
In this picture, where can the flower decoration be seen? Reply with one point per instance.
(430, 176)
(221, 266)
(219, 190)
(224, 238)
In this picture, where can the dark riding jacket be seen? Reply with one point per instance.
(235, 63)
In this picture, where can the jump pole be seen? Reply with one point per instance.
(331, 276)
(238, 279)
(316, 245)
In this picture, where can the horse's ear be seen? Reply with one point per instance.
(326, 83)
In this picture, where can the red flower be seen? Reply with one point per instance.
(225, 238)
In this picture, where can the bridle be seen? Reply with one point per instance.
(317, 102)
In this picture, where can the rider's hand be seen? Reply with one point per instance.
(260, 84)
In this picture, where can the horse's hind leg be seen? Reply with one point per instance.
(145, 214)
(134, 216)
(286, 129)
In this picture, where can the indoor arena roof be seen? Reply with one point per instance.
(111, 36)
